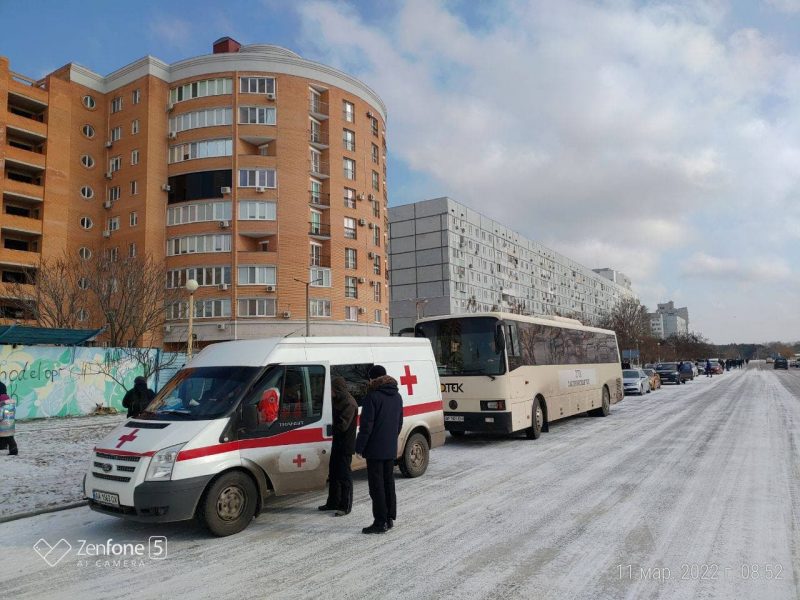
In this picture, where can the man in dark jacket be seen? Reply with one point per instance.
(340, 478)
(381, 422)
(137, 399)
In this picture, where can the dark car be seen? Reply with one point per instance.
(687, 372)
(669, 373)
(781, 363)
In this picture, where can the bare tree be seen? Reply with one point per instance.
(53, 293)
(629, 320)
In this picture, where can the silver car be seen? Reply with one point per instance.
(635, 381)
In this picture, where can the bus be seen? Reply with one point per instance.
(503, 372)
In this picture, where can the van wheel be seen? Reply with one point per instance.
(415, 456)
(535, 430)
(605, 408)
(229, 504)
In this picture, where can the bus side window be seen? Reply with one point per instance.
(512, 347)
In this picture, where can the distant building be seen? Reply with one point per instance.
(668, 320)
(615, 276)
(448, 259)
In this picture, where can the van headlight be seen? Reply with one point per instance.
(161, 464)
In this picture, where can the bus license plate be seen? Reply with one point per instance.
(106, 498)
(454, 419)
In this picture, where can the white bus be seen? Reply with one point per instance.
(505, 372)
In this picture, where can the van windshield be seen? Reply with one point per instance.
(200, 394)
(466, 346)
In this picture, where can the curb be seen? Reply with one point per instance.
(42, 511)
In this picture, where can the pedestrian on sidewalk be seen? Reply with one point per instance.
(709, 372)
(381, 422)
(340, 476)
(8, 410)
(137, 398)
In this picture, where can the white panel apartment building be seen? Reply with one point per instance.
(668, 320)
(448, 259)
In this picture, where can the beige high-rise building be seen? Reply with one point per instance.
(251, 169)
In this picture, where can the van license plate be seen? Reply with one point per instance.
(106, 498)
(454, 419)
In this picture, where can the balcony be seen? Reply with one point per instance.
(20, 224)
(256, 228)
(259, 257)
(29, 191)
(318, 139)
(320, 260)
(30, 91)
(24, 160)
(18, 124)
(19, 257)
(319, 199)
(319, 231)
(319, 169)
(318, 108)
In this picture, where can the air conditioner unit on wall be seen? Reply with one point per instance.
(224, 224)
(106, 233)
(225, 190)
(371, 254)
(261, 190)
(167, 328)
(362, 222)
(270, 288)
(109, 174)
(109, 143)
(371, 197)
(270, 95)
(286, 314)
(372, 225)
(172, 135)
(362, 310)
(108, 204)
(170, 106)
(360, 196)
(166, 188)
(362, 280)
(222, 326)
(223, 286)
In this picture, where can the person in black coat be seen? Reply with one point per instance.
(137, 398)
(381, 422)
(340, 478)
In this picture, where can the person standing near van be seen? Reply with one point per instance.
(340, 477)
(137, 398)
(8, 409)
(381, 423)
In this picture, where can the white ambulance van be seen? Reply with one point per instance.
(247, 420)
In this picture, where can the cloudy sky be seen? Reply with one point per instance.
(658, 138)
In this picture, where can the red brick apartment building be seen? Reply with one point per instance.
(246, 169)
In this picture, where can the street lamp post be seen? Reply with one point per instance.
(191, 287)
(308, 308)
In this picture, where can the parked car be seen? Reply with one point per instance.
(635, 381)
(781, 363)
(668, 372)
(716, 367)
(701, 367)
(655, 380)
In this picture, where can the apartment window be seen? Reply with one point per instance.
(257, 85)
(376, 208)
(135, 126)
(316, 161)
(132, 250)
(349, 228)
(87, 192)
(114, 193)
(349, 198)
(86, 222)
(319, 308)
(350, 287)
(133, 219)
(257, 275)
(348, 111)
(351, 313)
(256, 307)
(266, 178)
(375, 154)
(201, 118)
(116, 104)
(136, 96)
(376, 235)
(196, 244)
(83, 314)
(349, 168)
(113, 254)
(350, 258)
(197, 212)
(378, 315)
(315, 191)
(116, 134)
(253, 210)
(376, 291)
(349, 139)
(257, 115)
(315, 222)
(88, 131)
(204, 276)
(85, 253)
(212, 308)
(376, 181)
(87, 161)
(200, 89)
(315, 257)
(201, 149)
(112, 224)
(376, 265)
(320, 277)
(115, 164)
(88, 102)
(134, 188)
(374, 125)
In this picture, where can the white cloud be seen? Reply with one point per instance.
(172, 31)
(786, 6)
(621, 135)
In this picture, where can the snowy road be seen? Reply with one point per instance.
(692, 491)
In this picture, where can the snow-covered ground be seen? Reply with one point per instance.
(692, 491)
(53, 456)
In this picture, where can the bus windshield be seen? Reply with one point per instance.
(201, 393)
(465, 346)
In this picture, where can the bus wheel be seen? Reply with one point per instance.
(535, 430)
(415, 456)
(605, 408)
(229, 504)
